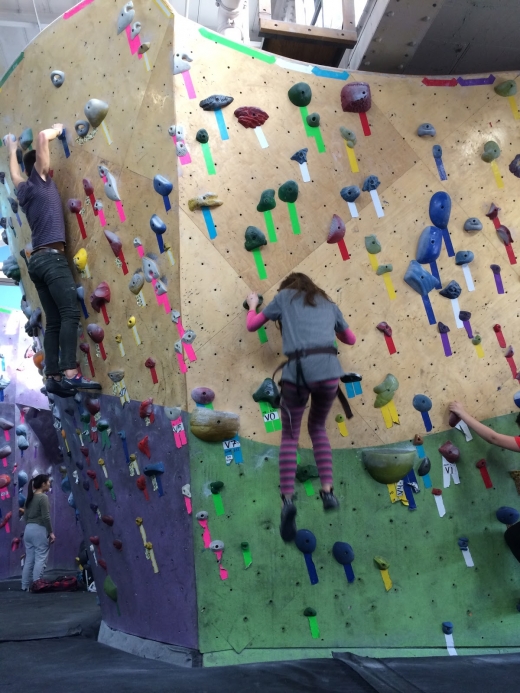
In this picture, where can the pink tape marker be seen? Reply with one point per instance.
(186, 159)
(222, 570)
(187, 503)
(4, 495)
(118, 204)
(77, 8)
(101, 217)
(4, 462)
(133, 43)
(206, 536)
(183, 367)
(140, 250)
(7, 528)
(7, 436)
(189, 85)
(179, 434)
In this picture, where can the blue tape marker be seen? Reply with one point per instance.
(237, 452)
(167, 205)
(476, 81)
(221, 124)
(160, 242)
(83, 308)
(1, 395)
(409, 493)
(441, 169)
(210, 224)
(320, 72)
(429, 310)
(18, 219)
(435, 270)
(63, 140)
(311, 568)
(2, 362)
(122, 435)
(420, 452)
(412, 477)
(427, 421)
(349, 572)
(447, 242)
(427, 481)
(159, 485)
(358, 390)
(349, 387)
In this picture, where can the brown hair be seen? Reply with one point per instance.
(303, 284)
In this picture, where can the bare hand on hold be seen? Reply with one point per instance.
(58, 127)
(10, 142)
(52, 538)
(253, 300)
(458, 409)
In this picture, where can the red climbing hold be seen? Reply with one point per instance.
(250, 116)
(144, 447)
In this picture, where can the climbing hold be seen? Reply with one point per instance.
(137, 282)
(136, 29)
(254, 238)
(202, 136)
(300, 94)
(95, 112)
(117, 544)
(260, 301)
(451, 291)
(267, 201)
(157, 224)
(477, 339)
(206, 200)
(100, 296)
(473, 224)
(419, 279)
(336, 229)
(492, 212)
(125, 17)
(150, 269)
(22, 479)
(385, 391)
(304, 472)
(507, 88)
(250, 116)
(305, 541)
(202, 395)
(74, 206)
(217, 545)
(449, 451)
(310, 612)
(464, 315)
(514, 166)
(313, 120)
(356, 97)
(516, 398)
(508, 516)
(350, 193)
(114, 241)
(447, 627)
(181, 61)
(381, 563)
(509, 352)
(372, 245)
(144, 47)
(421, 403)
(26, 139)
(443, 329)
(180, 148)
(268, 392)
(215, 102)
(300, 156)
(213, 426)
(343, 552)
(82, 127)
(349, 136)
(288, 192)
(98, 205)
(429, 245)
(504, 234)
(5, 451)
(202, 515)
(370, 183)
(385, 328)
(437, 151)
(107, 519)
(384, 269)
(491, 152)
(110, 184)
(440, 209)
(424, 467)
(188, 337)
(110, 589)
(464, 257)
(496, 269)
(426, 129)
(57, 78)
(216, 487)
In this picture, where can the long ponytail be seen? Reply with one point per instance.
(35, 483)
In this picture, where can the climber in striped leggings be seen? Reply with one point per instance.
(311, 323)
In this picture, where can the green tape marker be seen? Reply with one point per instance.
(210, 165)
(308, 130)
(260, 267)
(293, 215)
(313, 623)
(218, 38)
(209, 405)
(215, 488)
(309, 488)
(246, 553)
(269, 223)
(262, 335)
(264, 409)
(319, 140)
(11, 69)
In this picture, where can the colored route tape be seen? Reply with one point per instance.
(387, 581)
(248, 559)
(221, 124)
(304, 170)
(261, 137)
(309, 488)
(372, 257)
(441, 169)
(427, 421)
(260, 267)
(313, 625)
(512, 104)
(501, 339)
(320, 72)
(480, 351)
(190, 89)
(447, 242)
(364, 124)
(485, 477)
(435, 270)
(429, 310)
(498, 283)
(12, 68)
(304, 113)
(358, 390)
(412, 505)
(467, 327)
(439, 82)
(377, 204)
(352, 159)
(446, 344)
(475, 81)
(239, 47)
(496, 174)
(427, 481)
(269, 223)
(293, 215)
(349, 387)
(349, 572)
(390, 344)
(510, 254)
(467, 276)
(311, 569)
(210, 224)
(319, 140)
(343, 249)
(77, 8)
(512, 365)
(387, 279)
(262, 335)
(219, 505)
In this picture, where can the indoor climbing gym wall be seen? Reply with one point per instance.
(194, 170)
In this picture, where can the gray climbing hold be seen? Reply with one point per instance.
(181, 62)
(473, 224)
(464, 257)
(125, 17)
(82, 127)
(150, 269)
(161, 286)
(426, 129)
(173, 413)
(98, 205)
(181, 148)
(451, 291)
(384, 269)
(371, 183)
(313, 120)
(137, 282)
(372, 245)
(215, 102)
(424, 467)
(136, 29)
(349, 136)
(300, 156)
(188, 337)
(143, 48)
(110, 184)
(57, 78)
(95, 111)
(350, 193)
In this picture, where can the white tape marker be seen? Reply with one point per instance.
(456, 311)
(468, 558)
(467, 276)
(306, 177)
(261, 137)
(377, 203)
(352, 209)
(450, 645)
(440, 505)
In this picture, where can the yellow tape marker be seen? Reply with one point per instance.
(373, 261)
(164, 7)
(389, 286)
(387, 580)
(392, 490)
(479, 350)
(393, 411)
(352, 159)
(107, 134)
(514, 107)
(496, 173)
(386, 416)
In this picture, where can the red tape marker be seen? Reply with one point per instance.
(122, 260)
(511, 254)
(500, 335)
(481, 465)
(439, 82)
(390, 344)
(150, 363)
(512, 365)
(364, 124)
(105, 314)
(141, 485)
(343, 250)
(81, 225)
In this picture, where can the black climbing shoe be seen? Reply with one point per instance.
(288, 520)
(351, 378)
(55, 387)
(78, 382)
(329, 500)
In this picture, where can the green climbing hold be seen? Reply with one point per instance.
(267, 201)
(477, 339)
(202, 136)
(385, 391)
(372, 244)
(216, 487)
(268, 392)
(388, 465)
(26, 139)
(304, 472)
(349, 136)
(300, 94)
(288, 192)
(244, 545)
(381, 563)
(309, 611)
(254, 238)
(507, 88)
(491, 152)
(85, 417)
(339, 419)
(313, 120)
(383, 269)
(110, 589)
(102, 425)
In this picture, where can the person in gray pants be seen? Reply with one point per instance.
(38, 535)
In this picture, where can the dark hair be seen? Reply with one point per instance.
(29, 159)
(303, 284)
(518, 419)
(35, 483)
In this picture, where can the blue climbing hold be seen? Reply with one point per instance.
(437, 151)
(22, 479)
(464, 257)
(508, 516)
(420, 280)
(440, 209)
(421, 403)
(516, 398)
(429, 246)
(153, 469)
(343, 552)
(65, 485)
(157, 224)
(463, 543)
(371, 183)
(447, 627)
(162, 185)
(300, 156)
(350, 193)
(451, 291)
(305, 540)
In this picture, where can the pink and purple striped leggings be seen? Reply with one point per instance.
(322, 394)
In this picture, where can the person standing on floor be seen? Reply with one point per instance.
(38, 535)
(311, 322)
(48, 267)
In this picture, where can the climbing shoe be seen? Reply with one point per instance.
(55, 387)
(288, 520)
(78, 382)
(329, 500)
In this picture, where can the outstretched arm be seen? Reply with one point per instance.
(254, 320)
(14, 166)
(43, 157)
(488, 434)
(346, 336)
